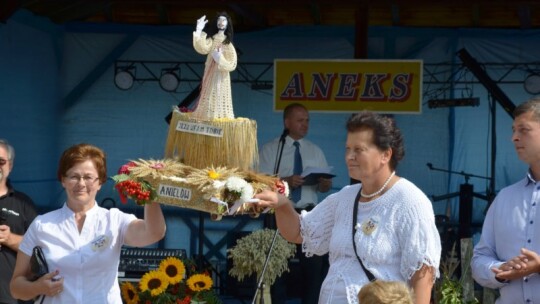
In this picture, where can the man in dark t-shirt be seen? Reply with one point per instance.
(17, 211)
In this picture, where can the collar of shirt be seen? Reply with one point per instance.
(530, 178)
(10, 190)
(66, 211)
(289, 141)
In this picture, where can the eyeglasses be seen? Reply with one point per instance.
(88, 180)
(3, 161)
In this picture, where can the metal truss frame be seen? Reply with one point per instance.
(254, 73)
(437, 77)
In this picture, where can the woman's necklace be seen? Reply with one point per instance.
(380, 190)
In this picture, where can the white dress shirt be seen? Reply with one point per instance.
(88, 260)
(512, 222)
(312, 156)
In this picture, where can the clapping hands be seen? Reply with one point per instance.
(526, 263)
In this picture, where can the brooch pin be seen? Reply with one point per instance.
(369, 225)
(100, 243)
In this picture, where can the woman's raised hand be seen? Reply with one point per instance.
(271, 199)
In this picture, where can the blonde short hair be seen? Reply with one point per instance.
(385, 292)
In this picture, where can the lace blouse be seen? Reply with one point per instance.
(400, 238)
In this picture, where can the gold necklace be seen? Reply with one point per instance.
(378, 191)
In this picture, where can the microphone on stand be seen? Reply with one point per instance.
(279, 152)
(270, 221)
(284, 134)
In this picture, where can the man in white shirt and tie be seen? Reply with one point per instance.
(300, 153)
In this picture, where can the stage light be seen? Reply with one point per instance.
(532, 84)
(169, 79)
(453, 102)
(124, 78)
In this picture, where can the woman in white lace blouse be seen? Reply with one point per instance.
(395, 235)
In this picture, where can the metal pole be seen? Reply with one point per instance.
(260, 284)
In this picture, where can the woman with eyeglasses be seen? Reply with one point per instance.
(82, 241)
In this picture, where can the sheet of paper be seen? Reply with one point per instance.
(311, 175)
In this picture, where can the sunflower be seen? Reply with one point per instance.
(199, 282)
(173, 268)
(155, 281)
(129, 293)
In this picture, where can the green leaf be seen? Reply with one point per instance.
(120, 178)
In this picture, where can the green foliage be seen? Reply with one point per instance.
(120, 178)
(450, 289)
(210, 297)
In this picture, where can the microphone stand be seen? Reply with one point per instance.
(281, 145)
(466, 194)
(466, 175)
(260, 284)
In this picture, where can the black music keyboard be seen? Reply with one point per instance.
(134, 262)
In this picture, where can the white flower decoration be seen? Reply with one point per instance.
(217, 184)
(236, 184)
(241, 187)
(247, 193)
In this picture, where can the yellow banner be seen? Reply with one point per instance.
(384, 86)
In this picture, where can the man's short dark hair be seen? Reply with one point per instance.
(288, 109)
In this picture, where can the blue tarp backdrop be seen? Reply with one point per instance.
(57, 89)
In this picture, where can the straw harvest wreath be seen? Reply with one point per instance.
(216, 190)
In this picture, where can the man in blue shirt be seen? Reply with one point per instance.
(507, 256)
